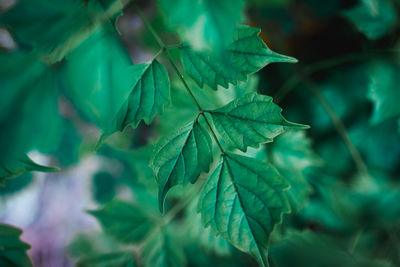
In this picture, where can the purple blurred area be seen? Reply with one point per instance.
(51, 212)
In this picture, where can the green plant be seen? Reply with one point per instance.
(229, 173)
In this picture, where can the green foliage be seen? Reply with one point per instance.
(383, 91)
(211, 23)
(13, 250)
(181, 157)
(242, 201)
(245, 55)
(251, 120)
(117, 259)
(126, 222)
(161, 250)
(374, 18)
(149, 95)
(70, 83)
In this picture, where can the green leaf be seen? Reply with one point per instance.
(24, 124)
(291, 155)
(98, 78)
(247, 54)
(242, 201)
(384, 91)
(124, 221)
(163, 251)
(374, 18)
(149, 95)
(12, 249)
(113, 259)
(250, 120)
(204, 237)
(211, 23)
(17, 167)
(67, 22)
(181, 157)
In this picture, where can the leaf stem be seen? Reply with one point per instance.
(213, 133)
(165, 49)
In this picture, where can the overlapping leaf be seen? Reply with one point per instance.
(245, 55)
(124, 221)
(181, 157)
(24, 124)
(211, 23)
(291, 155)
(97, 77)
(149, 95)
(13, 250)
(250, 120)
(242, 201)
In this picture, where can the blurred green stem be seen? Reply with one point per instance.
(339, 126)
(312, 68)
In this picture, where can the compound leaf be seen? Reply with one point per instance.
(181, 157)
(13, 250)
(245, 55)
(242, 201)
(250, 120)
(124, 221)
(149, 95)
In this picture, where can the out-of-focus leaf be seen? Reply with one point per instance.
(114, 259)
(384, 91)
(13, 250)
(250, 120)
(98, 78)
(242, 201)
(67, 22)
(163, 251)
(204, 237)
(247, 54)
(211, 23)
(291, 155)
(16, 185)
(149, 95)
(374, 18)
(181, 157)
(17, 167)
(124, 221)
(103, 187)
(317, 250)
(29, 118)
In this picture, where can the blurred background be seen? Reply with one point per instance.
(345, 86)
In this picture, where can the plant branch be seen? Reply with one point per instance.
(165, 48)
